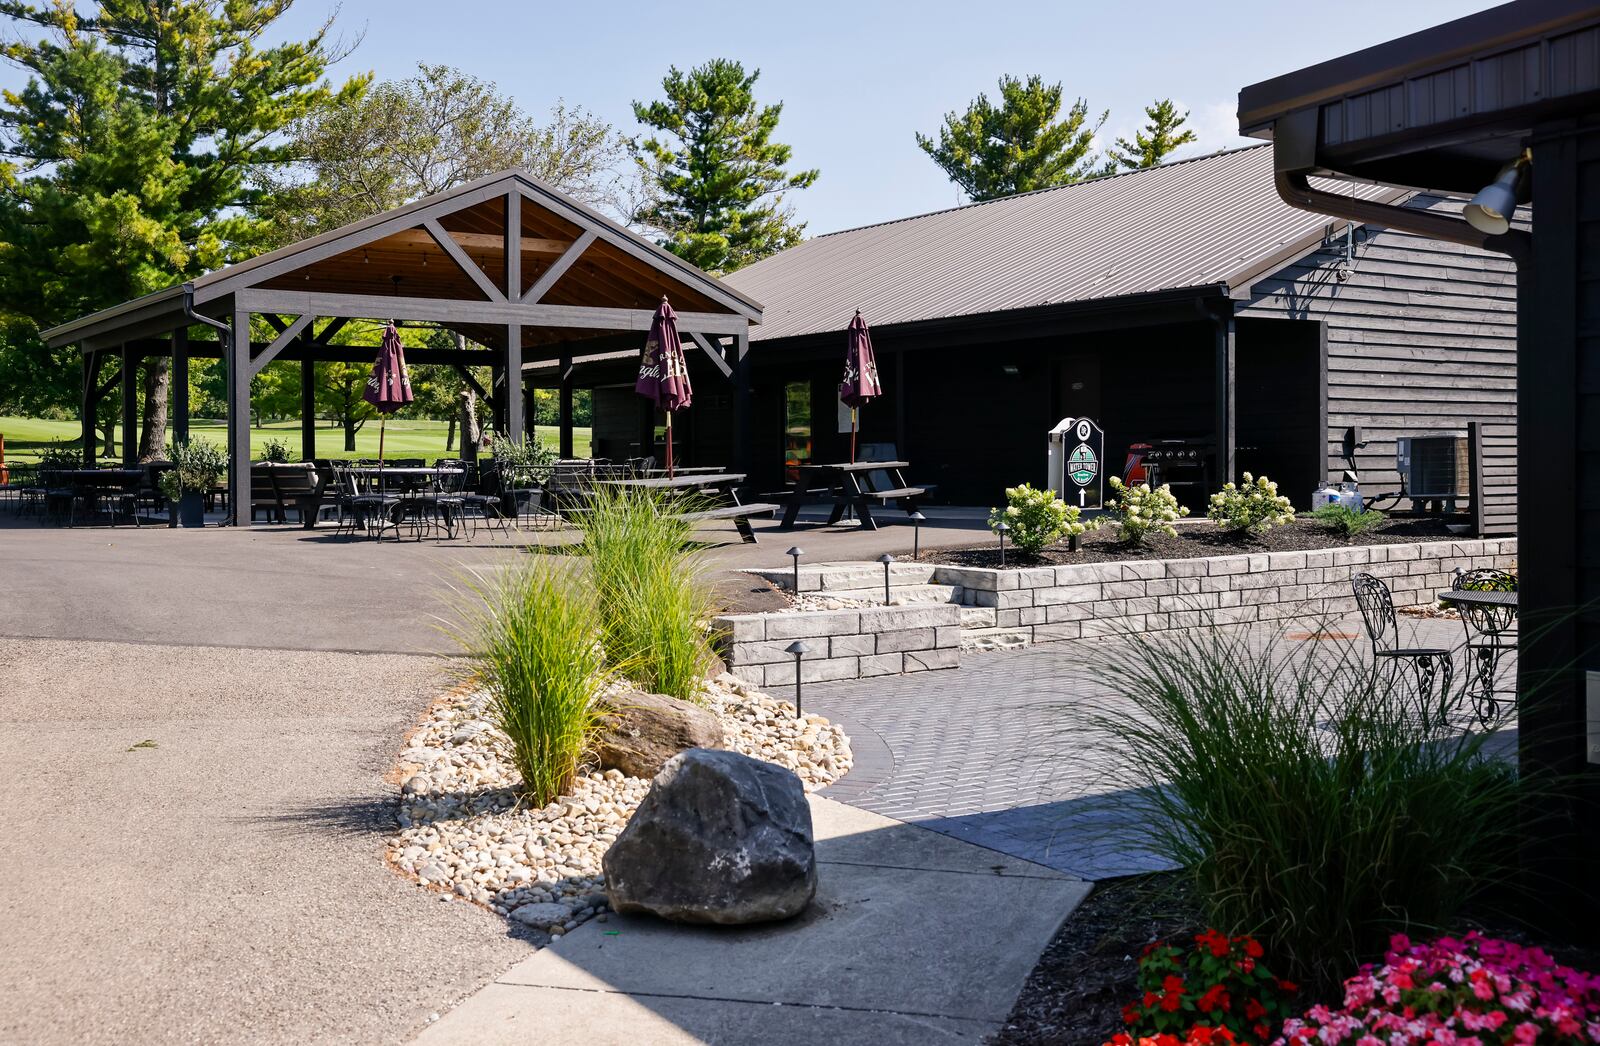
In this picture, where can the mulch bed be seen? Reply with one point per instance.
(1195, 540)
(1075, 995)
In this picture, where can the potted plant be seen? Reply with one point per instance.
(196, 467)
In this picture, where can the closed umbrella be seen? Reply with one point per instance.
(388, 386)
(663, 372)
(860, 384)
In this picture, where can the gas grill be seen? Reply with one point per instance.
(1181, 463)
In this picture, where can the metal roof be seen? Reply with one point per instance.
(1214, 221)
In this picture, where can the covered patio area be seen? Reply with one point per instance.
(521, 273)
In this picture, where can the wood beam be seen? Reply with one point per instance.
(564, 409)
(466, 376)
(289, 334)
(558, 268)
(513, 392)
(333, 327)
(712, 354)
(482, 241)
(107, 385)
(91, 371)
(446, 310)
(460, 257)
(130, 409)
(512, 247)
(239, 419)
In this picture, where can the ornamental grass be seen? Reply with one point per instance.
(653, 600)
(533, 636)
(1315, 807)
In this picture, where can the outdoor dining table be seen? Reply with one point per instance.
(848, 485)
(1492, 614)
(92, 484)
(697, 481)
(410, 478)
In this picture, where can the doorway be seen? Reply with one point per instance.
(1077, 388)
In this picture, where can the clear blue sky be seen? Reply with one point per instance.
(857, 79)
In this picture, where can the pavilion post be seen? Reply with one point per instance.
(1226, 365)
(180, 385)
(91, 403)
(308, 409)
(565, 406)
(130, 407)
(513, 246)
(513, 395)
(743, 409)
(239, 419)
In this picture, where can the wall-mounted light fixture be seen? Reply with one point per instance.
(1010, 370)
(1492, 209)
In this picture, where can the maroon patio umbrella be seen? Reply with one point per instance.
(663, 372)
(860, 384)
(388, 386)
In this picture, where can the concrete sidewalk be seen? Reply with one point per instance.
(913, 938)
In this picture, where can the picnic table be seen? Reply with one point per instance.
(724, 483)
(91, 485)
(852, 486)
(1491, 614)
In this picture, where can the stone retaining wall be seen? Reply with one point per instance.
(1049, 604)
(845, 644)
(1046, 604)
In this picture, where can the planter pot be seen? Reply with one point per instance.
(192, 509)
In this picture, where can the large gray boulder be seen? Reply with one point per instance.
(640, 732)
(720, 838)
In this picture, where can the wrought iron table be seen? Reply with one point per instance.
(1491, 614)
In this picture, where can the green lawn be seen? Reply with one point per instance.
(405, 438)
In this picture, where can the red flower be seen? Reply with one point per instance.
(1171, 1001)
(1172, 983)
(1253, 1010)
(1130, 1013)
(1150, 999)
(1288, 986)
(1215, 998)
(1261, 1029)
(1252, 948)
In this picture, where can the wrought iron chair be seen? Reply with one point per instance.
(1431, 666)
(1489, 633)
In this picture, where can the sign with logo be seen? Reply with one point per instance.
(1078, 454)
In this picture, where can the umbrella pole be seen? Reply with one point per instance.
(382, 420)
(669, 444)
(852, 435)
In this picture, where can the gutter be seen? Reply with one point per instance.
(224, 332)
(1294, 186)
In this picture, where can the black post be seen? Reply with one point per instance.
(565, 406)
(743, 408)
(91, 405)
(308, 409)
(795, 552)
(180, 385)
(1475, 474)
(130, 407)
(1226, 423)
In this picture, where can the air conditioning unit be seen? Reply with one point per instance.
(1434, 466)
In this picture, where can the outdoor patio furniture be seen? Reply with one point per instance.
(278, 488)
(1431, 666)
(851, 487)
(717, 486)
(1487, 601)
(21, 488)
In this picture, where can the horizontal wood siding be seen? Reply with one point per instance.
(1421, 338)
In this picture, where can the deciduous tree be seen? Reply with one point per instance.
(718, 179)
(1018, 145)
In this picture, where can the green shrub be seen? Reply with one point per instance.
(197, 466)
(1136, 511)
(59, 455)
(1313, 806)
(533, 637)
(1253, 507)
(1346, 521)
(654, 603)
(526, 461)
(275, 451)
(1036, 518)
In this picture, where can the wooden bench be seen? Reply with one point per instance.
(277, 488)
(740, 514)
(899, 494)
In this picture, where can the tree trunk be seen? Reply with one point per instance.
(153, 429)
(470, 433)
(349, 435)
(108, 437)
(450, 434)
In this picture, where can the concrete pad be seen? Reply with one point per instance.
(913, 937)
(515, 1016)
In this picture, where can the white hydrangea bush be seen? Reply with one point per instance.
(1138, 511)
(1035, 518)
(1251, 507)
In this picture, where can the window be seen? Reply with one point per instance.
(796, 428)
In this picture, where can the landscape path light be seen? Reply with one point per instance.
(1002, 529)
(886, 560)
(916, 530)
(795, 552)
(799, 650)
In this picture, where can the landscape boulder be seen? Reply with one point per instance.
(640, 732)
(720, 838)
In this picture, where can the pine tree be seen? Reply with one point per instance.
(132, 160)
(1024, 143)
(1155, 142)
(718, 178)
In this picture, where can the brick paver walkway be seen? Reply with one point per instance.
(1000, 752)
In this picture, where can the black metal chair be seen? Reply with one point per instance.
(1489, 633)
(1431, 666)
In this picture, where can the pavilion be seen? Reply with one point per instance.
(506, 261)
